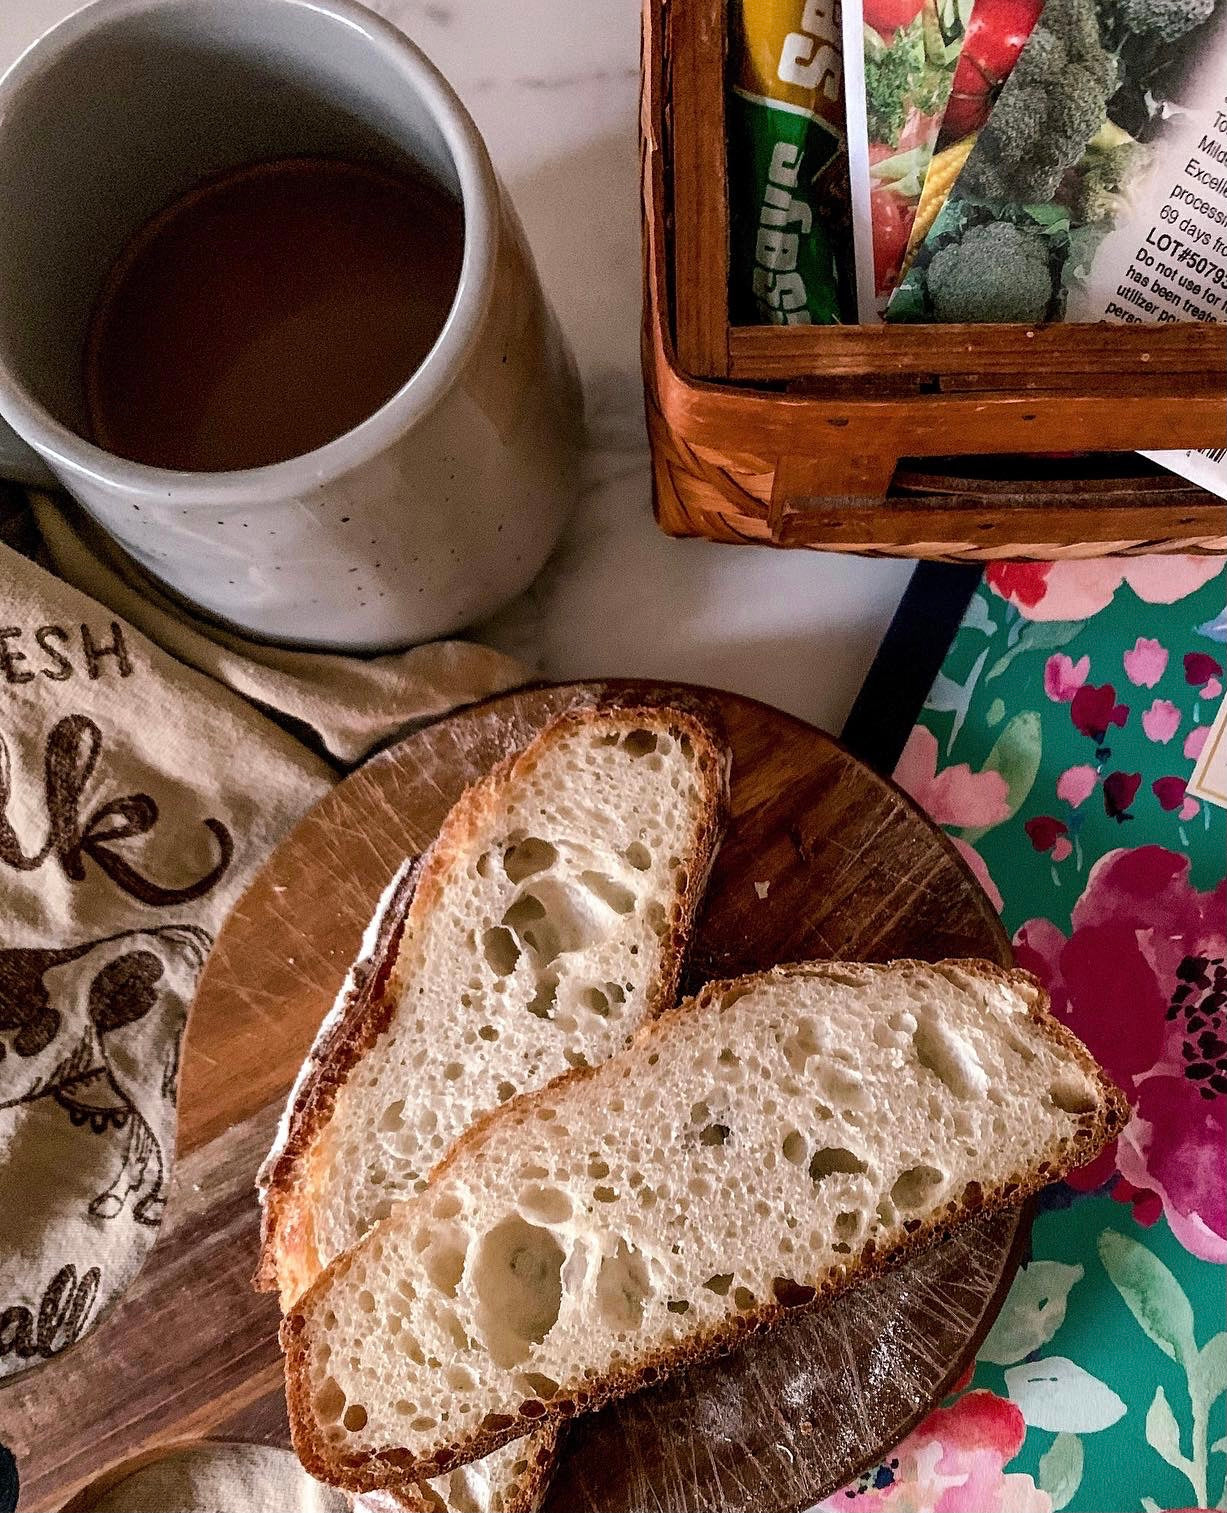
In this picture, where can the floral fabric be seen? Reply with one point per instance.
(1054, 748)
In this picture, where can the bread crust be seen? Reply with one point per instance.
(523, 1494)
(289, 1260)
(366, 1470)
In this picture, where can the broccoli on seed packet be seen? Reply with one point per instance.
(1051, 168)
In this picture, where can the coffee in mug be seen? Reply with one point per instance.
(268, 311)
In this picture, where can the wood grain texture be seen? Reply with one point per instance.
(700, 189)
(806, 422)
(190, 1352)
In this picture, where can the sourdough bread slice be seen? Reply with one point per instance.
(750, 1153)
(547, 921)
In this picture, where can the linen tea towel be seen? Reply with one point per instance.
(137, 797)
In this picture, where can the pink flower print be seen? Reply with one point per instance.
(1061, 848)
(1146, 662)
(952, 1462)
(1064, 677)
(954, 796)
(1189, 808)
(1195, 740)
(1161, 721)
(1078, 590)
(1200, 670)
(979, 870)
(1076, 784)
(1093, 709)
(1146, 950)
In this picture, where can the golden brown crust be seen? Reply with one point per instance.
(289, 1260)
(523, 1493)
(370, 1469)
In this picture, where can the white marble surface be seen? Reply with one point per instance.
(553, 85)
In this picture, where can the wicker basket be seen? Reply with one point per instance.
(925, 441)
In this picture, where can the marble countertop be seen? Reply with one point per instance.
(553, 85)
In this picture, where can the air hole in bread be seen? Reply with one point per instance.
(802, 1044)
(453, 1071)
(460, 1378)
(575, 1059)
(499, 947)
(640, 743)
(622, 1288)
(638, 856)
(714, 1134)
(743, 1298)
(329, 1402)
(1074, 1095)
(847, 1225)
(844, 1087)
(915, 1187)
(795, 1148)
(488, 1032)
(605, 1194)
(720, 1283)
(613, 894)
(407, 1345)
(790, 1294)
(951, 1058)
(699, 1187)
(390, 1121)
(366, 1300)
(517, 1280)
(505, 1090)
(597, 1000)
(655, 917)
(423, 1424)
(678, 1305)
(404, 1407)
(832, 1159)
(598, 1168)
(444, 1260)
(728, 1064)
(544, 1387)
(524, 859)
(1018, 1045)
(545, 998)
(546, 1205)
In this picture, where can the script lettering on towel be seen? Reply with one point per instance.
(73, 751)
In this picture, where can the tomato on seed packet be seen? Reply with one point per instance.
(908, 52)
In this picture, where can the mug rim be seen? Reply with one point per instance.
(425, 387)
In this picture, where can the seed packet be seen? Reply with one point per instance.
(1095, 111)
(996, 34)
(907, 51)
(790, 257)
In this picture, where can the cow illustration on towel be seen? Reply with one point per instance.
(95, 1028)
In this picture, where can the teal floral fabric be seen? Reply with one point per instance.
(1054, 748)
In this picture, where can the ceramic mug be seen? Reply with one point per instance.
(433, 511)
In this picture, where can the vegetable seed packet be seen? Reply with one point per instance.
(1092, 109)
(996, 34)
(908, 51)
(790, 257)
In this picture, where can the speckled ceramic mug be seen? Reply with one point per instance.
(434, 510)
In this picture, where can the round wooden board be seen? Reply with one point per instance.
(852, 870)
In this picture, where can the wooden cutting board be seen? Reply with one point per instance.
(822, 859)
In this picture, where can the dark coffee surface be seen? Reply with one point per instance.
(268, 311)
